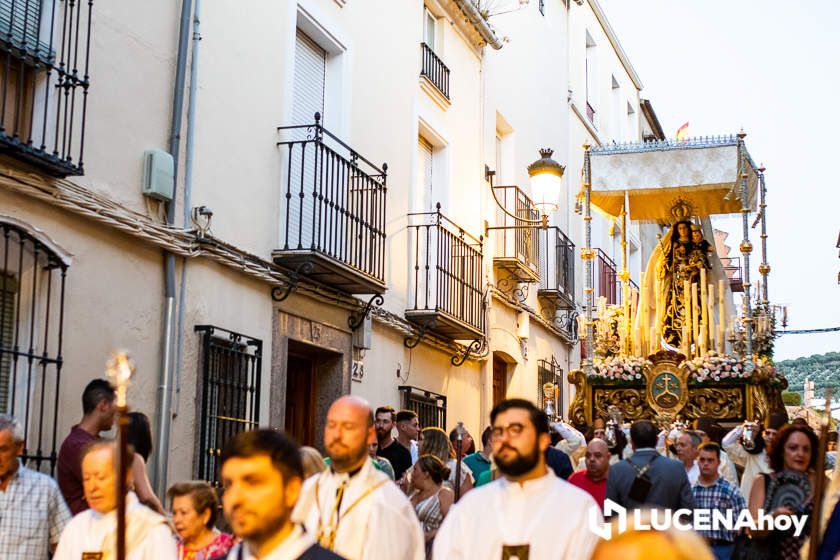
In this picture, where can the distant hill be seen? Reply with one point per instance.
(822, 369)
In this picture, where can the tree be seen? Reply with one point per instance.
(791, 399)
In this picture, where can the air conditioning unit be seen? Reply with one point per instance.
(158, 175)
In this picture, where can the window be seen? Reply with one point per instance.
(591, 78)
(231, 364)
(429, 25)
(430, 407)
(425, 175)
(549, 371)
(44, 46)
(32, 282)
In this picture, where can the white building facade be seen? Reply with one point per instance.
(256, 301)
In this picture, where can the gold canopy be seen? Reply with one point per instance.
(672, 179)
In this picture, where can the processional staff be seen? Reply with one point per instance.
(120, 369)
(819, 482)
(459, 445)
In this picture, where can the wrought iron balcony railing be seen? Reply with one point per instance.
(44, 77)
(590, 113)
(557, 268)
(517, 248)
(333, 211)
(429, 406)
(732, 269)
(435, 70)
(446, 277)
(606, 278)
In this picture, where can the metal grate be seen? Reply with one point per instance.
(518, 243)
(606, 278)
(549, 371)
(44, 77)
(230, 393)
(557, 264)
(430, 407)
(32, 282)
(434, 69)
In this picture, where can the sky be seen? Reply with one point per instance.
(772, 68)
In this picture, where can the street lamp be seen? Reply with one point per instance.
(546, 177)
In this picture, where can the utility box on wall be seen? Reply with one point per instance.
(158, 175)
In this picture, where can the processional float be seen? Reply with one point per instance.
(676, 346)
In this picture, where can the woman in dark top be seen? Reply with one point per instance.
(793, 451)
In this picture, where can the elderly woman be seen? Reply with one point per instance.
(194, 510)
(792, 450)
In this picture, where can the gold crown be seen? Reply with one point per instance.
(681, 209)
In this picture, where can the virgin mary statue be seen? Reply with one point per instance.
(662, 300)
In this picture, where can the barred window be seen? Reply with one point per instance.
(231, 364)
(430, 407)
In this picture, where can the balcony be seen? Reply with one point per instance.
(732, 270)
(517, 250)
(590, 113)
(434, 70)
(44, 63)
(606, 278)
(445, 284)
(557, 266)
(333, 211)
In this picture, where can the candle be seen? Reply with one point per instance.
(721, 317)
(686, 312)
(654, 341)
(684, 341)
(695, 319)
(702, 289)
(710, 313)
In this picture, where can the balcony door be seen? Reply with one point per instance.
(300, 399)
(308, 99)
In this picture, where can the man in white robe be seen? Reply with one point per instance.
(529, 513)
(148, 536)
(351, 508)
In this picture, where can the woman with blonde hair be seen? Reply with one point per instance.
(434, 441)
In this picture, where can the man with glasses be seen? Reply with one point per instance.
(529, 512)
(754, 459)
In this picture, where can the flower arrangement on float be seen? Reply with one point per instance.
(714, 367)
(622, 369)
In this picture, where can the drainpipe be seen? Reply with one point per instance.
(164, 396)
(480, 24)
(189, 150)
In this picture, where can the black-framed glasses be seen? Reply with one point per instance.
(513, 430)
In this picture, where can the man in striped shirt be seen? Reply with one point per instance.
(711, 492)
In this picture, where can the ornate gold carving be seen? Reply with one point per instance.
(667, 383)
(577, 408)
(746, 247)
(587, 254)
(629, 400)
(717, 402)
(764, 268)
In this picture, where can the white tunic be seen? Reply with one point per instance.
(372, 525)
(548, 514)
(89, 530)
(753, 464)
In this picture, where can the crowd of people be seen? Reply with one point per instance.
(387, 487)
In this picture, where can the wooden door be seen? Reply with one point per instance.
(499, 380)
(300, 399)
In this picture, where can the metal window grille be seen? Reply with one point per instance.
(44, 78)
(231, 364)
(32, 282)
(521, 244)
(434, 69)
(557, 263)
(607, 278)
(430, 407)
(549, 371)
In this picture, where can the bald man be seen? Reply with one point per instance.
(353, 509)
(593, 479)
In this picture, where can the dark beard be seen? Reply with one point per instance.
(521, 464)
